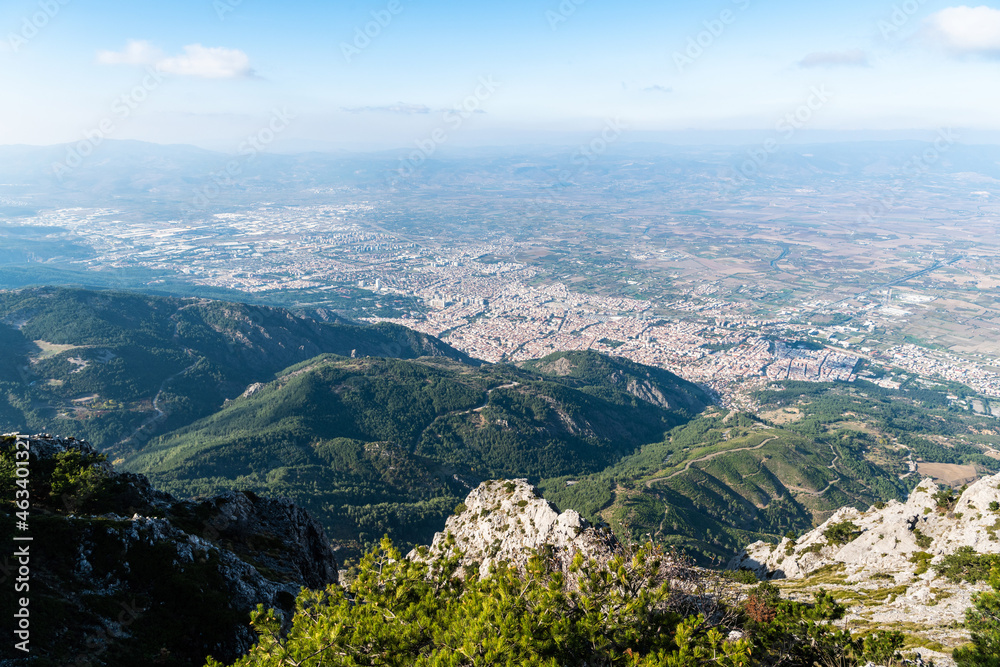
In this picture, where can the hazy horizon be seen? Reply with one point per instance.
(732, 139)
(384, 74)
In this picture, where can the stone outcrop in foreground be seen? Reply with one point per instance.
(125, 574)
(884, 560)
(505, 521)
(885, 540)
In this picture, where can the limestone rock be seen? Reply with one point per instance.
(889, 537)
(879, 558)
(505, 521)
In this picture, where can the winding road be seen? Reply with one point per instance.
(160, 413)
(707, 458)
(832, 466)
(687, 467)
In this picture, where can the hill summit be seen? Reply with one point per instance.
(505, 521)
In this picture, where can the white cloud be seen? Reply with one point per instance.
(967, 30)
(208, 63)
(196, 61)
(136, 52)
(853, 58)
(657, 88)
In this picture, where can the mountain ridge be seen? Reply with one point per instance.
(119, 366)
(376, 432)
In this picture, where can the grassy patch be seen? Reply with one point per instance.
(828, 575)
(870, 597)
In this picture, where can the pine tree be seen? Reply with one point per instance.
(400, 612)
(983, 621)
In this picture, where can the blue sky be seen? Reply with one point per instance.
(551, 70)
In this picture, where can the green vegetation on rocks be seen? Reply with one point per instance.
(631, 610)
(967, 565)
(122, 574)
(983, 623)
(840, 534)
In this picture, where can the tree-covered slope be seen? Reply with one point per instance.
(104, 364)
(726, 478)
(602, 375)
(374, 445)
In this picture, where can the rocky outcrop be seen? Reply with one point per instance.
(883, 559)
(274, 533)
(138, 576)
(885, 539)
(506, 521)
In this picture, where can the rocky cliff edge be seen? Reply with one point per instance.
(505, 521)
(885, 538)
(124, 574)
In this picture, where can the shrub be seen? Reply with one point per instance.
(759, 610)
(761, 605)
(923, 541)
(842, 533)
(882, 647)
(945, 499)
(982, 620)
(922, 560)
(967, 565)
(742, 575)
(798, 633)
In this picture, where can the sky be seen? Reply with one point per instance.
(374, 74)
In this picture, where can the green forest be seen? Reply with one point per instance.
(726, 479)
(117, 368)
(381, 446)
(380, 430)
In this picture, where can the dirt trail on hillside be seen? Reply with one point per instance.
(708, 457)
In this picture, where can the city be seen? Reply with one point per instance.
(492, 301)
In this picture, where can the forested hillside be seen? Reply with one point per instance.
(382, 445)
(729, 477)
(379, 429)
(117, 367)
